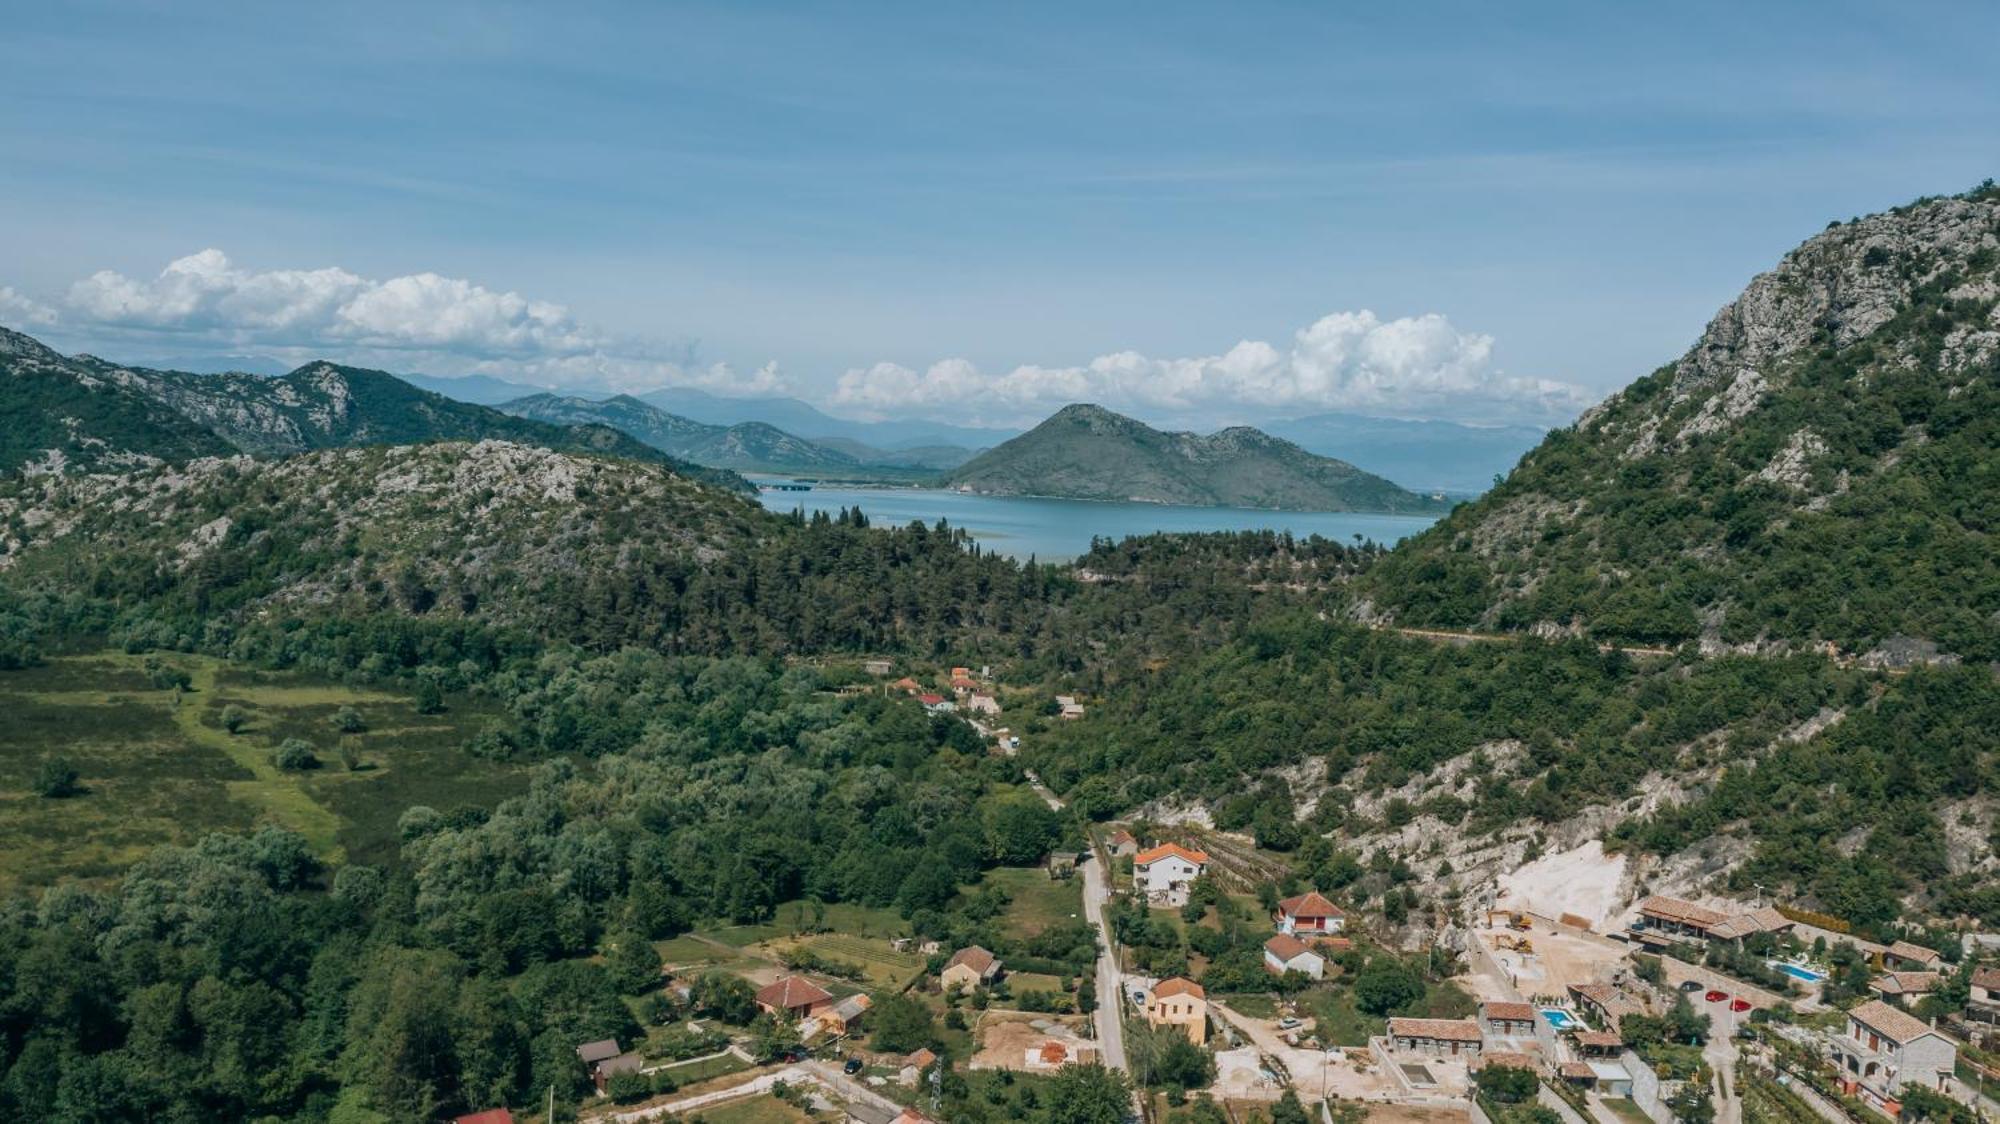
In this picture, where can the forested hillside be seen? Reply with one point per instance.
(1820, 468)
(94, 414)
(1089, 452)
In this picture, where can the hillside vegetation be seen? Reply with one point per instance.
(1819, 468)
(1088, 452)
(85, 414)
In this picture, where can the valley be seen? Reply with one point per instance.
(372, 758)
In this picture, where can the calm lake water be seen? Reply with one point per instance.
(1058, 530)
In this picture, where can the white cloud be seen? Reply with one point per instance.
(1415, 366)
(18, 311)
(418, 322)
(205, 293)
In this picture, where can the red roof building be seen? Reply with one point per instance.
(793, 995)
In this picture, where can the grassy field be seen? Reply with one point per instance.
(1037, 901)
(705, 1069)
(158, 766)
(754, 1110)
(1341, 1023)
(885, 966)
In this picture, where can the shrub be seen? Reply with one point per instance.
(57, 779)
(234, 718)
(296, 755)
(348, 720)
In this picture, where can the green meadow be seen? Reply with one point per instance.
(159, 767)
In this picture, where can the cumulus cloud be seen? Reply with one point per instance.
(206, 293)
(1414, 366)
(18, 310)
(418, 322)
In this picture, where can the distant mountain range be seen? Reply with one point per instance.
(1089, 452)
(83, 414)
(746, 446)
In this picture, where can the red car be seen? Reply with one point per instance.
(1716, 996)
(1740, 1006)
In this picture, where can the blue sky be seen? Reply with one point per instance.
(964, 213)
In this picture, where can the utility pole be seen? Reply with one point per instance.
(552, 1104)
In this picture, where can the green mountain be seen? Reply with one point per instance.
(86, 414)
(1819, 468)
(1087, 452)
(749, 446)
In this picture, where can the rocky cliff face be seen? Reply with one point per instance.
(1817, 469)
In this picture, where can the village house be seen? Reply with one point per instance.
(983, 703)
(937, 704)
(1180, 1002)
(793, 996)
(912, 1116)
(913, 1067)
(1603, 1004)
(1286, 953)
(844, 1015)
(908, 686)
(1451, 1037)
(1674, 918)
(1885, 1050)
(490, 1116)
(969, 968)
(1061, 864)
(602, 1073)
(1986, 990)
(1122, 842)
(1165, 871)
(1309, 914)
(1598, 1043)
(590, 1053)
(1736, 927)
(1505, 1059)
(876, 667)
(1904, 988)
(962, 686)
(1068, 708)
(1508, 1020)
(1914, 957)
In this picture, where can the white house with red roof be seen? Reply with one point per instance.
(1285, 953)
(1165, 872)
(1309, 914)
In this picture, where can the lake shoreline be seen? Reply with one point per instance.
(1061, 528)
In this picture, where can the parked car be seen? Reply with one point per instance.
(1690, 985)
(1289, 1023)
(852, 1067)
(1739, 1005)
(1716, 996)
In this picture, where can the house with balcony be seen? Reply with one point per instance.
(1884, 1051)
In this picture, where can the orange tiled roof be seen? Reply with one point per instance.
(1444, 1030)
(1310, 904)
(793, 991)
(1674, 909)
(1508, 1012)
(1881, 1017)
(1285, 947)
(1198, 858)
(1179, 985)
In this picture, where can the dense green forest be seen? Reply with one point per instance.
(240, 979)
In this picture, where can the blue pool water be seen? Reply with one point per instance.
(1798, 973)
(1561, 1019)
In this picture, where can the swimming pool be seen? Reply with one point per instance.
(1561, 1019)
(1798, 973)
